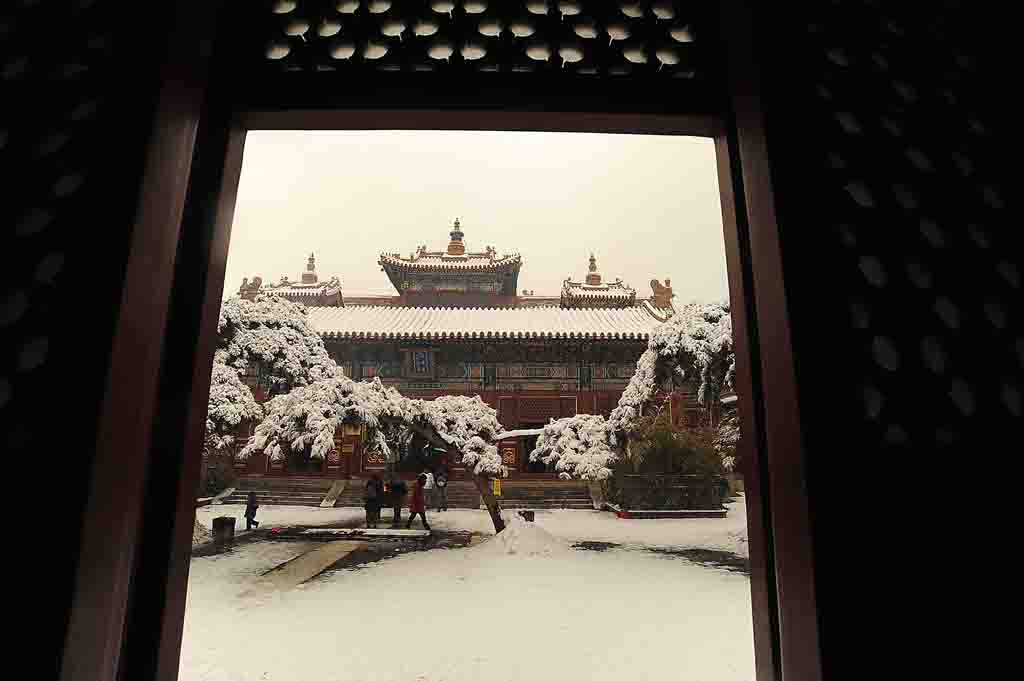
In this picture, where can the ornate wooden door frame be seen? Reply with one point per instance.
(127, 610)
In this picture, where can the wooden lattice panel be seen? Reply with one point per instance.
(571, 37)
(902, 197)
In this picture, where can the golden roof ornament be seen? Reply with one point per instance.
(593, 278)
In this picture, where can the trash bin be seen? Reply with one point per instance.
(223, 529)
(527, 516)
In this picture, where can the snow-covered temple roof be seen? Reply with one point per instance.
(593, 292)
(455, 257)
(439, 260)
(372, 322)
(309, 290)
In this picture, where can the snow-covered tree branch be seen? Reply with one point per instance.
(696, 345)
(578, 446)
(727, 440)
(230, 403)
(275, 334)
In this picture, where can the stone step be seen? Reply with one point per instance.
(571, 505)
(278, 500)
(266, 494)
(249, 483)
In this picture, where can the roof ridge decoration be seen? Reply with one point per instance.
(308, 286)
(593, 292)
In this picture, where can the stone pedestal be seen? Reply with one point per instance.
(223, 529)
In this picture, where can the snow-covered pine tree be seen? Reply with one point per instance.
(230, 403)
(695, 344)
(274, 334)
(308, 417)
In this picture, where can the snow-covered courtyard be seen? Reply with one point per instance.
(526, 605)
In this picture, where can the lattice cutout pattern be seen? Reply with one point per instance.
(570, 37)
(901, 204)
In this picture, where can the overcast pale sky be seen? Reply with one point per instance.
(646, 206)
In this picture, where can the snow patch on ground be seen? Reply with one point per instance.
(521, 538)
(200, 534)
(280, 516)
(574, 525)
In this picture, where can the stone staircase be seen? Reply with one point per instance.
(463, 494)
(281, 491)
(515, 494)
(544, 494)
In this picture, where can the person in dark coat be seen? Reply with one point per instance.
(441, 489)
(418, 503)
(374, 498)
(250, 511)
(398, 492)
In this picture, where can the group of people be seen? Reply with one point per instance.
(429, 490)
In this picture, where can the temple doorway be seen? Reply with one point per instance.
(529, 444)
(302, 464)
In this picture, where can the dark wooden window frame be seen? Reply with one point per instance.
(126, 616)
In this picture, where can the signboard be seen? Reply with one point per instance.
(510, 456)
(376, 458)
(497, 487)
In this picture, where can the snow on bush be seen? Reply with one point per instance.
(578, 446)
(276, 334)
(230, 403)
(521, 538)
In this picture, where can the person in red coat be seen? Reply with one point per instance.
(418, 503)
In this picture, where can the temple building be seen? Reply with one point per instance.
(456, 326)
(309, 290)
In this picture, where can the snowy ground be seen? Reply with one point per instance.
(527, 607)
(728, 534)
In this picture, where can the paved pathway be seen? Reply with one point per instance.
(307, 566)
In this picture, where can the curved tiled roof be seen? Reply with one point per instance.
(321, 290)
(599, 292)
(438, 261)
(378, 322)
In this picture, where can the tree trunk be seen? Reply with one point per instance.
(484, 487)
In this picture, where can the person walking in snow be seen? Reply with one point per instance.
(441, 490)
(428, 488)
(418, 504)
(398, 492)
(250, 511)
